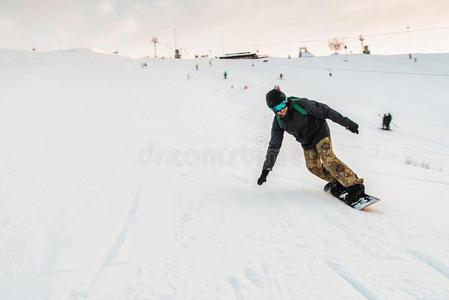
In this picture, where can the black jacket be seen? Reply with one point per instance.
(307, 129)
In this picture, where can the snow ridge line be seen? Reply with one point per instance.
(432, 262)
(354, 282)
(407, 177)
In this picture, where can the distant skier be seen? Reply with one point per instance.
(196, 67)
(225, 75)
(306, 120)
(389, 118)
(281, 76)
(386, 120)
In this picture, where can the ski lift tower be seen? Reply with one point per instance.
(361, 39)
(154, 40)
(365, 49)
(177, 51)
(408, 38)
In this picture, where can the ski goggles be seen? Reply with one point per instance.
(280, 106)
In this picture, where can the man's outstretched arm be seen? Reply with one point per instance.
(323, 111)
(277, 135)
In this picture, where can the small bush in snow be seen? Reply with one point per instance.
(409, 161)
(425, 165)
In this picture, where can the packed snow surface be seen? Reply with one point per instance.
(120, 181)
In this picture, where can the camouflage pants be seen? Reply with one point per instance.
(322, 162)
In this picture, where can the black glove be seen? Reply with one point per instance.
(352, 126)
(263, 177)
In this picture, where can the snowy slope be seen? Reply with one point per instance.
(123, 182)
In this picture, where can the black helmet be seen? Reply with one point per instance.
(274, 97)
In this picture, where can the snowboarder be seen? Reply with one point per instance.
(306, 120)
(386, 120)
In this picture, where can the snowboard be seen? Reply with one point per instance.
(361, 203)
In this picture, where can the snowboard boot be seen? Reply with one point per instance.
(354, 192)
(334, 187)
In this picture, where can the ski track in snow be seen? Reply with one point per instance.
(114, 250)
(121, 237)
(433, 263)
(360, 287)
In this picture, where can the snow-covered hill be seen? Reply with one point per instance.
(119, 181)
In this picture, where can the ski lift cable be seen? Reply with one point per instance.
(365, 70)
(327, 39)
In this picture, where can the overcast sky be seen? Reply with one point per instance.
(273, 27)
